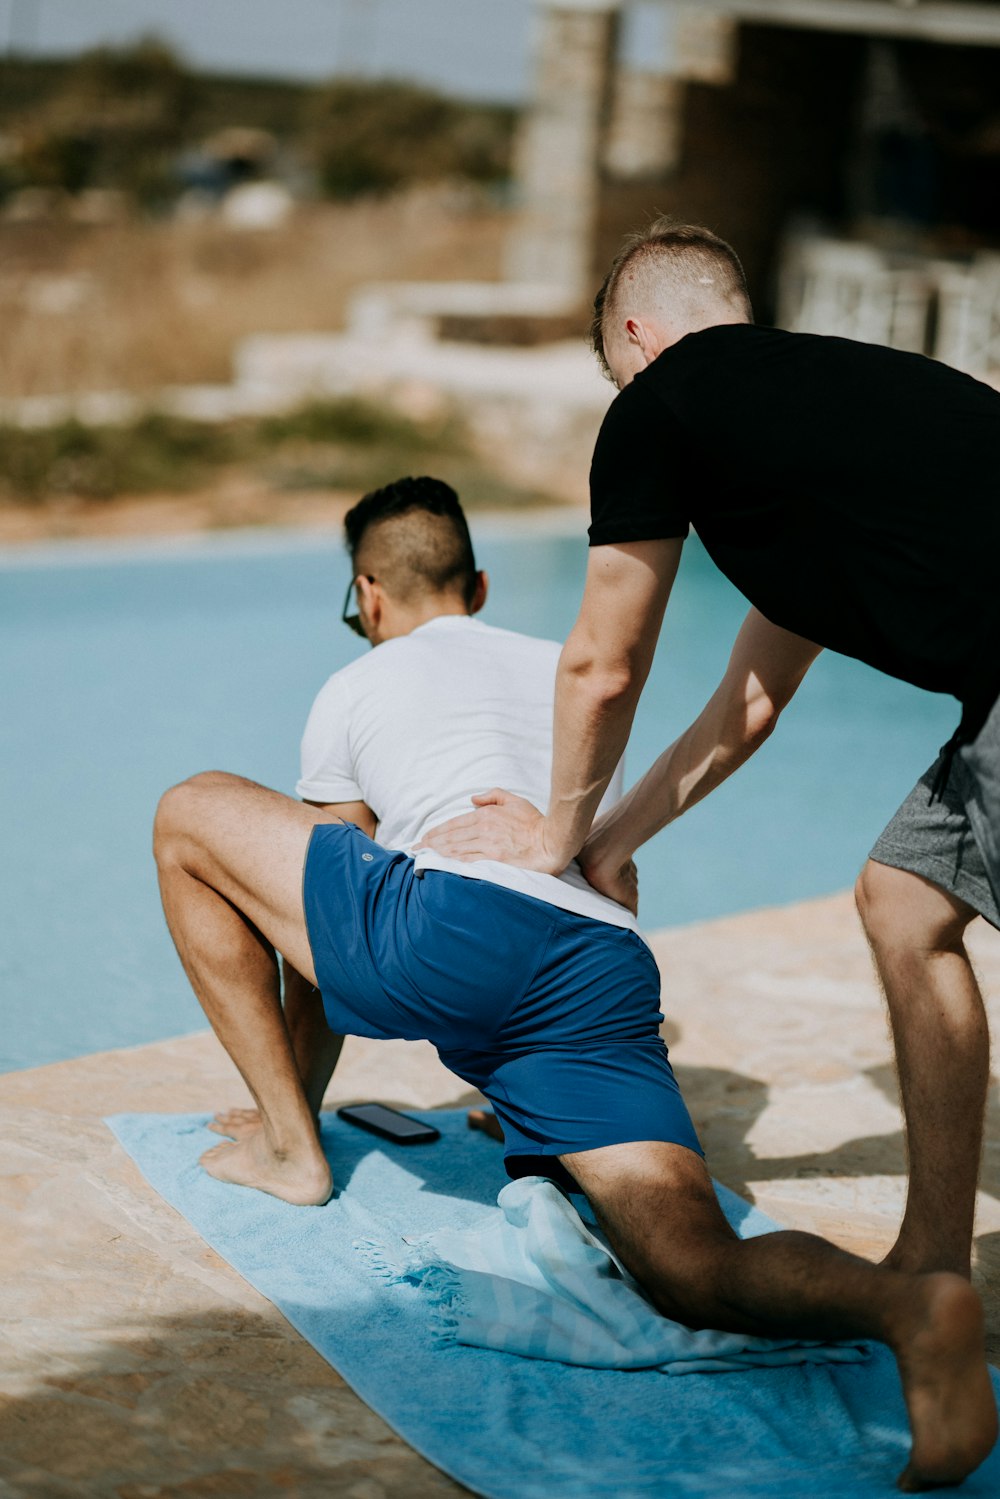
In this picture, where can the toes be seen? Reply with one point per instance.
(236, 1123)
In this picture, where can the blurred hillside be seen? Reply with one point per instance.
(128, 259)
(139, 122)
(155, 222)
(152, 217)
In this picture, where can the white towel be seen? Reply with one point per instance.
(531, 1278)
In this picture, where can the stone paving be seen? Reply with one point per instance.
(138, 1365)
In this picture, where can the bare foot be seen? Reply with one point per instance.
(236, 1123)
(302, 1178)
(949, 1397)
(486, 1122)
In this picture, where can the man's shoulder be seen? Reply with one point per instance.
(352, 679)
(517, 639)
(526, 658)
(404, 653)
(756, 342)
(469, 634)
(718, 365)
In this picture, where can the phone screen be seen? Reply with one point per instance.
(388, 1122)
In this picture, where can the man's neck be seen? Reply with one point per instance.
(412, 619)
(674, 335)
(449, 607)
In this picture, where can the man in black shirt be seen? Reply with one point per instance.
(850, 492)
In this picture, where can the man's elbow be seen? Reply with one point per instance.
(761, 720)
(604, 681)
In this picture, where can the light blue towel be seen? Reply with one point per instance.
(532, 1278)
(511, 1427)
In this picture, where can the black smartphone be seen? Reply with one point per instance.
(389, 1124)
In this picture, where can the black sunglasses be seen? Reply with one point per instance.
(353, 621)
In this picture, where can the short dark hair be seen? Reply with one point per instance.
(426, 549)
(689, 249)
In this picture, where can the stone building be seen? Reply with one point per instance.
(849, 148)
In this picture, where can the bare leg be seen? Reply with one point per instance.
(230, 857)
(941, 1037)
(315, 1046)
(317, 1049)
(661, 1216)
(486, 1122)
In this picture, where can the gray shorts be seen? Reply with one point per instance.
(954, 840)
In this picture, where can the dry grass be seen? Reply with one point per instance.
(136, 306)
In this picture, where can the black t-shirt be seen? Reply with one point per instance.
(850, 492)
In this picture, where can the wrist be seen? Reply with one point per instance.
(558, 851)
(603, 850)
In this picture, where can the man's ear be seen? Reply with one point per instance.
(482, 589)
(636, 333)
(369, 596)
(650, 338)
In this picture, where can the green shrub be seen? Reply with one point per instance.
(117, 120)
(322, 443)
(155, 452)
(351, 421)
(374, 137)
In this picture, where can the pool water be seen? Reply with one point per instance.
(121, 673)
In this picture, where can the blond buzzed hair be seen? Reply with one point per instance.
(684, 266)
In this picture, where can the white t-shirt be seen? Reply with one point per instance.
(422, 722)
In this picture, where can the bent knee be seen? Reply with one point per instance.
(179, 809)
(903, 910)
(680, 1304)
(683, 1273)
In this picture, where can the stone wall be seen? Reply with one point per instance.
(560, 144)
(751, 154)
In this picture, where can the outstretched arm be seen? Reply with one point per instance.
(765, 669)
(602, 671)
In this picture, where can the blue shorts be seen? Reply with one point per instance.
(553, 1016)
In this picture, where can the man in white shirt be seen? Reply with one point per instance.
(396, 739)
(533, 987)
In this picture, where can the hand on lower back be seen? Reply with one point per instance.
(503, 827)
(619, 882)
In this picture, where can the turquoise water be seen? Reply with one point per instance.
(122, 673)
